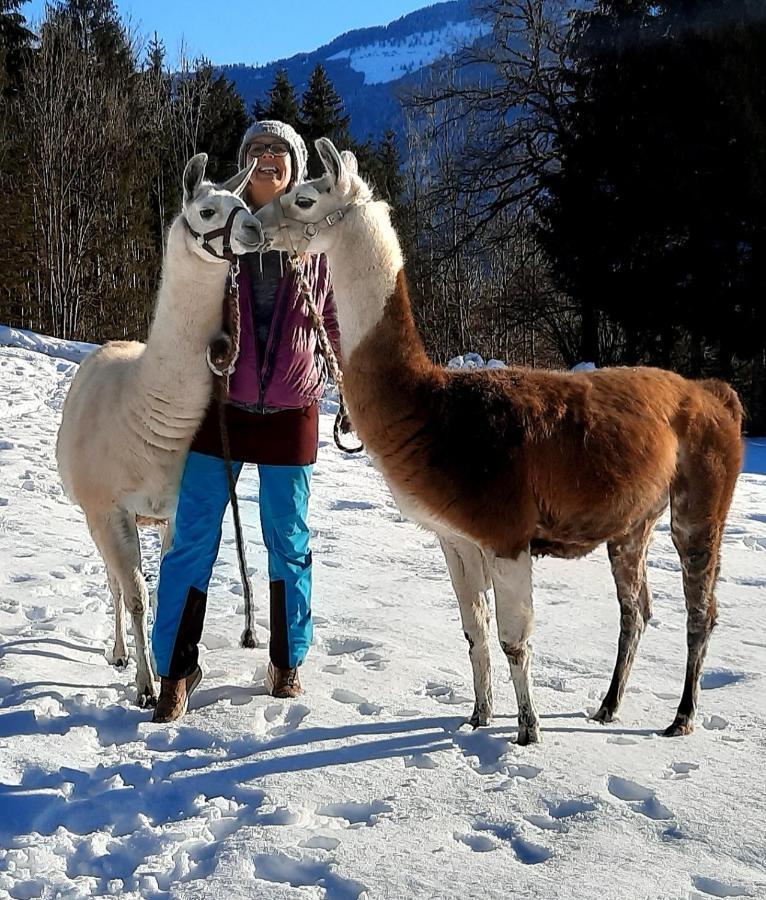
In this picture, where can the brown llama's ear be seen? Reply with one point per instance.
(333, 164)
(238, 183)
(193, 175)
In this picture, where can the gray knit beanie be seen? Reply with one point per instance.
(285, 132)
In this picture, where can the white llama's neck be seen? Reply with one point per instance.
(188, 315)
(365, 259)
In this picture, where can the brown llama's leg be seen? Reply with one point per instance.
(470, 579)
(627, 556)
(699, 501)
(512, 580)
(116, 537)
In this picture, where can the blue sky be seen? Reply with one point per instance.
(250, 31)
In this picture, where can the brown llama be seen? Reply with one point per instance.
(507, 464)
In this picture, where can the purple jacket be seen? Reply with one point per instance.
(290, 376)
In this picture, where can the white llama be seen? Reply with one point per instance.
(133, 408)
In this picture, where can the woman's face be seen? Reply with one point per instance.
(273, 169)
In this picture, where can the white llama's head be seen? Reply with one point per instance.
(303, 217)
(218, 219)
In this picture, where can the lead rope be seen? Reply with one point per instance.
(221, 362)
(342, 419)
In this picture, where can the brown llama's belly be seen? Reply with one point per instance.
(562, 549)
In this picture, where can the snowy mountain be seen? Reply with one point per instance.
(370, 66)
(369, 786)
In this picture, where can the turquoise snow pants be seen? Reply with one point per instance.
(186, 569)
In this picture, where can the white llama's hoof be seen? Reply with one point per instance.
(118, 660)
(146, 698)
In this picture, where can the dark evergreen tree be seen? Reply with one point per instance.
(322, 115)
(15, 42)
(282, 102)
(658, 212)
(223, 119)
(100, 32)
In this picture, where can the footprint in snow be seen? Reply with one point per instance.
(364, 707)
(320, 842)
(281, 868)
(680, 770)
(639, 798)
(373, 660)
(559, 812)
(443, 693)
(715, 888)
(287, 719)
(420, 761)
(525, 851)
(342, 646)
(334, 669)
(352, 504)
(718, 678)
(715, 723)
(352, 813)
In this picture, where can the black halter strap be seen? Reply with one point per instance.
(203, 239)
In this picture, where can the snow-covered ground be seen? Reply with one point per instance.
(368, 785)
(384, 61)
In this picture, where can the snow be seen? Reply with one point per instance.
(367, 786)
(384, 61)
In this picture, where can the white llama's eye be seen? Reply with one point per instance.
(206, 213)
(304, 202)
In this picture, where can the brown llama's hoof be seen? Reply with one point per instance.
(482, 715)
(679, 728)
(528, 735)
(604, 716)
(119, 662)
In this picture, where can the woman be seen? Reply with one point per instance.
(273, 420)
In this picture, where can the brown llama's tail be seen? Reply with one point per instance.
(727, 395)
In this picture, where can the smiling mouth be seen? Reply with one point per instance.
(267, 170)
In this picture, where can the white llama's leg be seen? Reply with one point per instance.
(116, 537)
(167, 533)
(119, 655)
(512, 579)
(470, 579)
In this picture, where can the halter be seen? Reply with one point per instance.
(310, 229)
(204, 238)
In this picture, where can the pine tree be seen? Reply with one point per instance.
(15, 42)
(99, 31)
(282, 103)
(657, 215)
(322, 115)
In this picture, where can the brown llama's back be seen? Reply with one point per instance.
(512, 456)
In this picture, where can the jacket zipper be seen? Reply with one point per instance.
(270, 351)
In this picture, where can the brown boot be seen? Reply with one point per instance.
(283, 683)
(174, 696)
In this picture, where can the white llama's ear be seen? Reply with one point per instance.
(350, 161)
(193, 175)
(237, 183)
(333, 163)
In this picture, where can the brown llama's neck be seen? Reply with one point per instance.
(370, 289)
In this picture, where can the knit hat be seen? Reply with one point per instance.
(285, 132)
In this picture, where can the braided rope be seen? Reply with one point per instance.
(342, 419)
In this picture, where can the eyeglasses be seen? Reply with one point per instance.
(257, 148)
